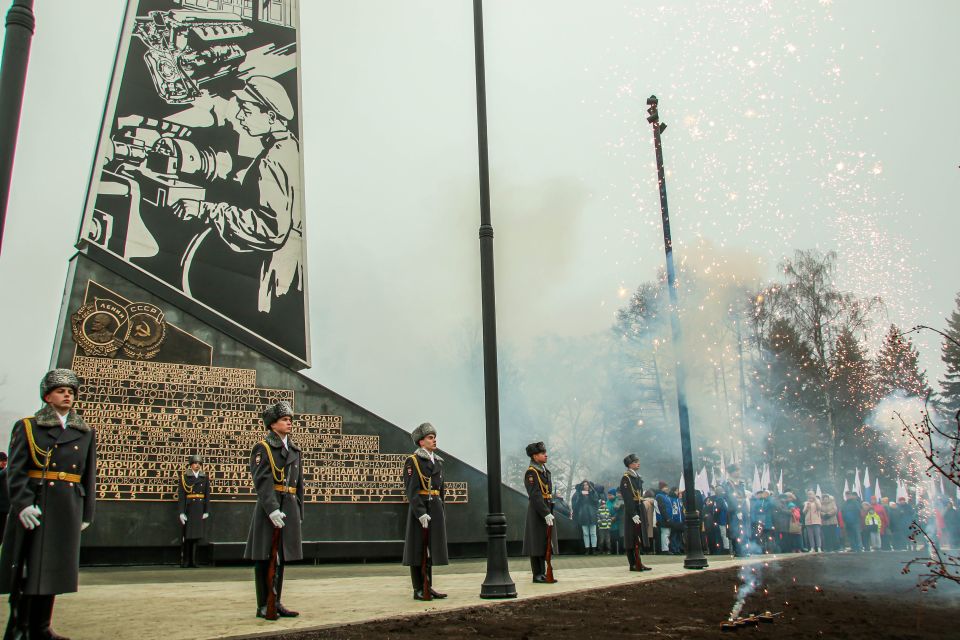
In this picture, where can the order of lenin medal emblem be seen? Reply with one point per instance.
(103, 327)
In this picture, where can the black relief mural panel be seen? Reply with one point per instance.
(197, 188)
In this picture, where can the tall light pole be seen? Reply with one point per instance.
(691, 517)
(498, 583)
(13, 75)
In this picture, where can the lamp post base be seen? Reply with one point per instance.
(695, 558)
(498, 583)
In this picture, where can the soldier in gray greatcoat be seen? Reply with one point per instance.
(634, 515)
(277, 470)
(423, 477)
(194, 497)
(539, 486)
(52, 482)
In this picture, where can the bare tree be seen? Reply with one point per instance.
(821, 313)
(939, 446)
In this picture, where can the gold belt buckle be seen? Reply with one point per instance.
(62, 475)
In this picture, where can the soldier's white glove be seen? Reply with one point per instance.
(276, 517)
(206, 515)
(549, 519)
(424, 521)
(183, 518)
(30, 517)
(636, 519)
(84, 525)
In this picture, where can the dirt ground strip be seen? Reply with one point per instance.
(824, 596)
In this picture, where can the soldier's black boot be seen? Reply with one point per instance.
(41, 613)
(416, 577)
(434, 592)
(643, 567)
(21, 627)
(539, 565)
(282, 611)
(260, 582)
(193, 553)
(185, 554)
(534, 567)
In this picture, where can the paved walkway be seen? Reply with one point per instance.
(197, 604)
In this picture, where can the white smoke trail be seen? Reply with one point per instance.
(750, 576)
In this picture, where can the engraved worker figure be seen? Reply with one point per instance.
(194, 498)
(52, 482)
(423, 477)
(275, 465)
(266, 216)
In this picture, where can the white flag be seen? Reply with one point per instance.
(765, 477)
(780, 483)
(876, 490)
(866, 478)
(704, 485)
(902, 490)
(723, 468)
(756, 479)
(857, 488)
(682, 486)
(818, 492)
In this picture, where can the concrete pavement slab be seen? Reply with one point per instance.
(149, 603)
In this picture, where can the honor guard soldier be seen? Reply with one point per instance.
(634, 515)
(194, 490)
(52, 482)
(275, 535)
(735, 493)
(4, 496)
(539, 485)
(426, 523)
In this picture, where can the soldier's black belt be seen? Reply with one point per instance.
(54, 475)
(282, 488)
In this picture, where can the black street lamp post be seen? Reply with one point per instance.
(13, 75)
(691, 517)
(498, 583)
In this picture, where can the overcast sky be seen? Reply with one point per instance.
(791, 125)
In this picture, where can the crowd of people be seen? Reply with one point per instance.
(737, 522)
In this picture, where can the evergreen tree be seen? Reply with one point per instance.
(950, 353)
(851, 383)
(641, 401)
(791, 406)
(821, 313)
(897, 367)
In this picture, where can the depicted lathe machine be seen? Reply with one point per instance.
(150, 166)
(188, 48)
